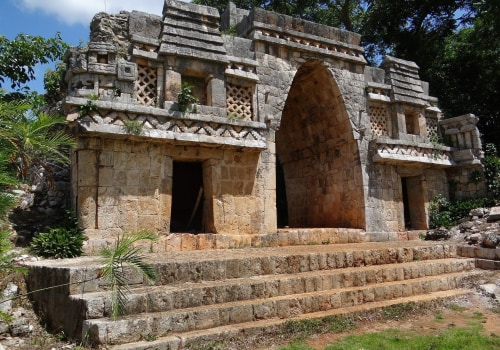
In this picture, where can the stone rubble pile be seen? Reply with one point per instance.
(481, 228)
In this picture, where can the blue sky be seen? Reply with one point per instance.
(71, 18)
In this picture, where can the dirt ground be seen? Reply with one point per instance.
(456, 313)
(479, 306)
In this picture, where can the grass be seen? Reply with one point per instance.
(297, 346)
(393, 339)
(453, 338)
(334, 324)
(398, 311)
(456, 307)
(439, 317)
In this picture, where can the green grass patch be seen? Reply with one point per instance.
(397, 311)
(296, 346)
(456, 307)
(439, 317)
(393, 339)
(306, 327)
(477, 315)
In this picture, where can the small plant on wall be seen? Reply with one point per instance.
(90, 106)
(234, 116)
(133, 127)
(185, 98)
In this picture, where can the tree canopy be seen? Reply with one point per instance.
(18, 57)
(28, 137)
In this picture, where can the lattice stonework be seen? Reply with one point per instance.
(146, 85)
(378, 120)
(239, 101)
(432, 124)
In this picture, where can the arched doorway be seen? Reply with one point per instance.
(319, 155)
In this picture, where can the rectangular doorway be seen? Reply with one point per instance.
(187, 197)
(414, 203)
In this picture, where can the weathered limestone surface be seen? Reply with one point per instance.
(204, 291)
(291, 128)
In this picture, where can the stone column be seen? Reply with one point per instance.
(216, 92)
(87, 184)
(212, 189)
(173, 81)
(269, 166)
(165, 193)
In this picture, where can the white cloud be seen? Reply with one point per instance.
(82, 11)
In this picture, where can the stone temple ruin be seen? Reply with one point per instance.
(293, 136)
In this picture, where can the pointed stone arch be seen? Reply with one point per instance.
(320, 157)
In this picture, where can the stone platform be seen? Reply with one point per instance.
(205, 295)
(486, 258)
(281, 238)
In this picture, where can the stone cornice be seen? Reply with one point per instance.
(167, 124)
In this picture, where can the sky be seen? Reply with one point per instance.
(71, 18)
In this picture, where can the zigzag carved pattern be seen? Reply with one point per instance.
(188, 126)
(413, 151)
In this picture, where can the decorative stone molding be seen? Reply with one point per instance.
(462, 131)
(192, 128)
(398, 152)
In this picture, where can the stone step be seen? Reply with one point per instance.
(82, 275)
(167, 298)
(130, 328)
(79, 276)
(269, 326)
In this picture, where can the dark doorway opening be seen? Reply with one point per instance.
(281, 202)
(414, 203)
(406, 203)
(187, 197)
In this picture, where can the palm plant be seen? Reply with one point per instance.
(121, 256)
(32, 140)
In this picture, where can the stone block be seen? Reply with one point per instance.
(206, 241)
(241, 313)
(494, 214)
(127, 71)
(173, 242)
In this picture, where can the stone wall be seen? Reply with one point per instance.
(126, 185)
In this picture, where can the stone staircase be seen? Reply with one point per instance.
(204, 295)
(486, 258)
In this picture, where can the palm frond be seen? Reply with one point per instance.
(123, 254)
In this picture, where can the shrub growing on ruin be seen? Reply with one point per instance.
(444, 213)
(185, 97)
(58, 243)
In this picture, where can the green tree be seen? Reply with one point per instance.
(346, 14)
(18, 57)
(411, 30)
(27, 137)
(465, 73)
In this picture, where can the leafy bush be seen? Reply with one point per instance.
(58, 243)
(186, 97)
(439, 215)
(460, 209)
(444, 213)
